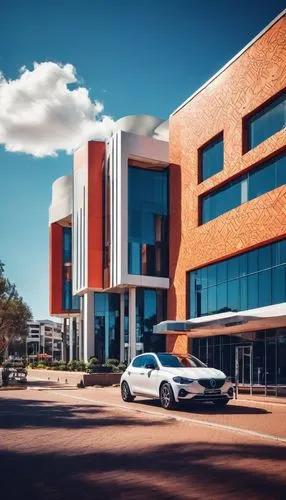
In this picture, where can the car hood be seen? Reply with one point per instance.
(195, 373)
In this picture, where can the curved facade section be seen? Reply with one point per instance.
(62, 199)
(143, 125)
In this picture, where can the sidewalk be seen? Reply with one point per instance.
(259, 398)
(63, 377)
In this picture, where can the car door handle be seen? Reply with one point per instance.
(142, 373)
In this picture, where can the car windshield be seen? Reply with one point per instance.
(179, 361)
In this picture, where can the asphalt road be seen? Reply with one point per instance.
(64, 443)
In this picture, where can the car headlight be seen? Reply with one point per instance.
(182, 380)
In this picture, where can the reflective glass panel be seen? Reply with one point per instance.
(211, 158)
(266, 122)
(147, 221)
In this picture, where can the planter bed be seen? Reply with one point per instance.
(102, 379)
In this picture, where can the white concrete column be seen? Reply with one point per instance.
(80, 340)
(88, 326)
(132, 322)
(122, 354)
(71, 338)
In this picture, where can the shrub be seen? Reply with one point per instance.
(112, 362)
(42, 365)
(93, 362)
(122, 367)
(82, 366)
(61, 366)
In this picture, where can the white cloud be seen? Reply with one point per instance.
(40, 115)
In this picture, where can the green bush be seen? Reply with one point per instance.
(62, 366)
(42, 365)
(112, 362)
(122, 367)
(91, 364)
(82, 366)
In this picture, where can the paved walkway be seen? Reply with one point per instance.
(65, 443)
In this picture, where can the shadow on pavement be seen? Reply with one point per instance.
(205, 408)
(17, 413)
(197, 471)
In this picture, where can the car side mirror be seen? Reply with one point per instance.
(150, 366)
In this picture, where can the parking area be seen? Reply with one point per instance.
(70, 443)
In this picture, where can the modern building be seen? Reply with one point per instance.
(172, 235)
(44, 337)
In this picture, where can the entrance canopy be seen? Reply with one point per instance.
(227, 323)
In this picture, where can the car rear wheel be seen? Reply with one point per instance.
(167, 396)
(221, 403)
(125, 393)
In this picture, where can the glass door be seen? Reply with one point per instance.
(244, 366)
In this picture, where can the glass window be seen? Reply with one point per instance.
(150, 310)
(233, 295)
(252, 289)
(264, 288)
(147, 221)
(252, 261)
(212, 275)
(260, 180)
(149, 360)
(138, 362)
(221, 201)
(278, 285)
(211, 158)
(281, 170)
(233, 268)
(222, 298)
(266, 122)
(221, 271)
(254, 279)
(212, 306)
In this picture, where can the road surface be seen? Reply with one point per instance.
(58, 442)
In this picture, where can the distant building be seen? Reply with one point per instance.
(45, 336)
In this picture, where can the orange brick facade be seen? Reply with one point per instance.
(251, 80)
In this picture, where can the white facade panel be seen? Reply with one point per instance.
(122, 147)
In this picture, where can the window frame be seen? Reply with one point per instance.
(219, 135)
(247, 118)
(239, 178)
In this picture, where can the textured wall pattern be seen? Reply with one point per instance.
(177, 343)
(256, 76)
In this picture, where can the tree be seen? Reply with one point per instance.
(14, 313)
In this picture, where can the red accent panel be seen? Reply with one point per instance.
(96, 152)
(56, 269)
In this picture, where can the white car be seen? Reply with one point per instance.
(173, 378)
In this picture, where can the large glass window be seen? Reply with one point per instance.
(107, 325)
(148, 221)
(266, 122)
(151, 308)
(211, 158)
(252, 279)
(69, 301)
(258, 181)
(268, 355)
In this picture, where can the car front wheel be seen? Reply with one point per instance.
(125, 393)
(167, 396)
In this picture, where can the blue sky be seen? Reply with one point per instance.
(135, 57)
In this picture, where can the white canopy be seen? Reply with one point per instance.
(262, 318)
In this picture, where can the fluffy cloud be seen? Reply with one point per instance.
(40, 114)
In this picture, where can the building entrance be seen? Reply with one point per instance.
(244, 366)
